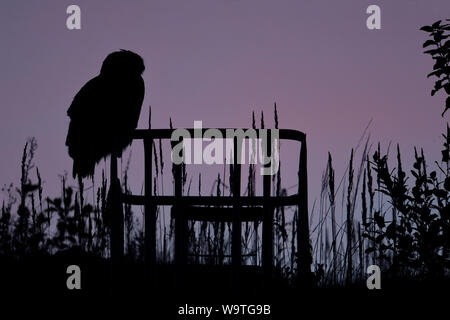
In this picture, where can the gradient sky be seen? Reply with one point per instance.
(216, 61)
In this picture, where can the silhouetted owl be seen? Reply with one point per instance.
(105, 112)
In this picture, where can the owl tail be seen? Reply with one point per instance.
(83, 169)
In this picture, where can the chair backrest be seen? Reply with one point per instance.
(182, 206)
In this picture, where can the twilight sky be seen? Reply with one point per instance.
(216, 61)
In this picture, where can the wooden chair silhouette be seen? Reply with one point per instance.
(234, 209)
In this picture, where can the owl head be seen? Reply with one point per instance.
(123, 62)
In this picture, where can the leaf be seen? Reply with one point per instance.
(379, 238)
(426, 28)
(440, 62)
(439, 193)
(429, 43)
(447, 88)
(390, 230)
(447, 106)
(432, 51)
(447, 184)
(436, 24)
(436, 73)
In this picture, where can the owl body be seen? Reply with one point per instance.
(105, 112)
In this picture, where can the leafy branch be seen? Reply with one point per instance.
(440, 53)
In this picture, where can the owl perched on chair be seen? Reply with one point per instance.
(105, 112)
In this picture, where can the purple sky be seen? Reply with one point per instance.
(216, 61)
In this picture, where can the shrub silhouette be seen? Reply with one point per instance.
(441, 55)
(418, 237)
